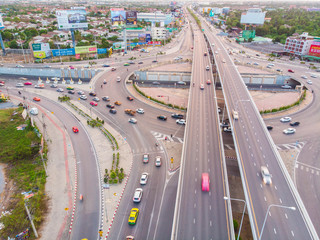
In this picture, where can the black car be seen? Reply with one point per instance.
(176, 115)
(130, 98)
(140, 62)
(71, 91)
(269, 127)
(161, 117)
(294, 124)
(113, 111)
(105, 65)
(92, 94)
(109, 106)
(154, 61)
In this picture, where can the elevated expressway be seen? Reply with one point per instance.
(198, 214)
(279, 205)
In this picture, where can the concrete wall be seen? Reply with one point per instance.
(50, 72)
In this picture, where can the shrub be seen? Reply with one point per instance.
(235, 225)
(115, 181)
(113, 175)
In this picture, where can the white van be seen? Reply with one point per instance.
(118, 79)
(235, 115)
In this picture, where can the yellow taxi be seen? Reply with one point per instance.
(133, 216)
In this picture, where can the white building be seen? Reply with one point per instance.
(159, 33)
(155, 17)
(299, 45)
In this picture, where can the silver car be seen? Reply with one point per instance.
(266, 177)
(144, 178)
(289, 131)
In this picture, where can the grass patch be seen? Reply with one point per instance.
(20, 151)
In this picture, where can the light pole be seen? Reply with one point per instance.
(265, 219)
(244, 208)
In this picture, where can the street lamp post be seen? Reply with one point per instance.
(265, 219)
(244, 208)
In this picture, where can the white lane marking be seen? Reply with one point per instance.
(194, 205)
(312, 171)
(196, 169)
(307, 169)
(254, 164)
(251, 154)
(209, 193)
(210, 207)
(301, 167)
(210, 223)
(280, 200)
(195, 191)
(195, 179)
(208, 159)
(260, 148)
(275, 187)
(258, 174)
(247, 139)
(258, 140)
(286, 216)
(269, 213)
(194, 221)
(209, 170)
(227, 146)
(249, 146)
(275, 232)
(260, 185)
(264, 156)
(265, 199)
(245, 133)
(292, 233)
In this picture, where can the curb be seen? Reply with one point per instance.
(115, 212)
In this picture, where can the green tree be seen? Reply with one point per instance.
(13, 44)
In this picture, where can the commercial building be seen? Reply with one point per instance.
(159, 33)
(299, 44)
(132, 33)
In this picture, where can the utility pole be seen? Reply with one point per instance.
(31, 221)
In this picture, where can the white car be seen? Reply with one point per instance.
(80, 92)
(145, 158)
(207, 68)
(266, 177)
(227, 129)
(201, 86)
(313, 76)
(223, 60)
(304, 77)
(309, 82)
(181, 121)
(286, 86)
(271, 64)
(19, 85)
(289, 131)
(118, 79)
(133, 120)
(83, 97)
(137, 195)
(96, 99)
(19, 66)
(158, 161)
(59, 90)
(34, 111)
(285, 119)
(54, 85)
(140, 110)
(144, 178)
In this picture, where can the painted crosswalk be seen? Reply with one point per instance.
(296, 145)
(162, 136)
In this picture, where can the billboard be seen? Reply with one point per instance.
(1, 22)
(63, 52)
(118, 16)
(314, 49)
(142, 37)
(118, 45)
(41, 50)
(246, 34)
(148, 37)
(86, 49)
(131, 17)
(72, 19)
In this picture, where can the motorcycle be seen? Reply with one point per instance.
(81, 197)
